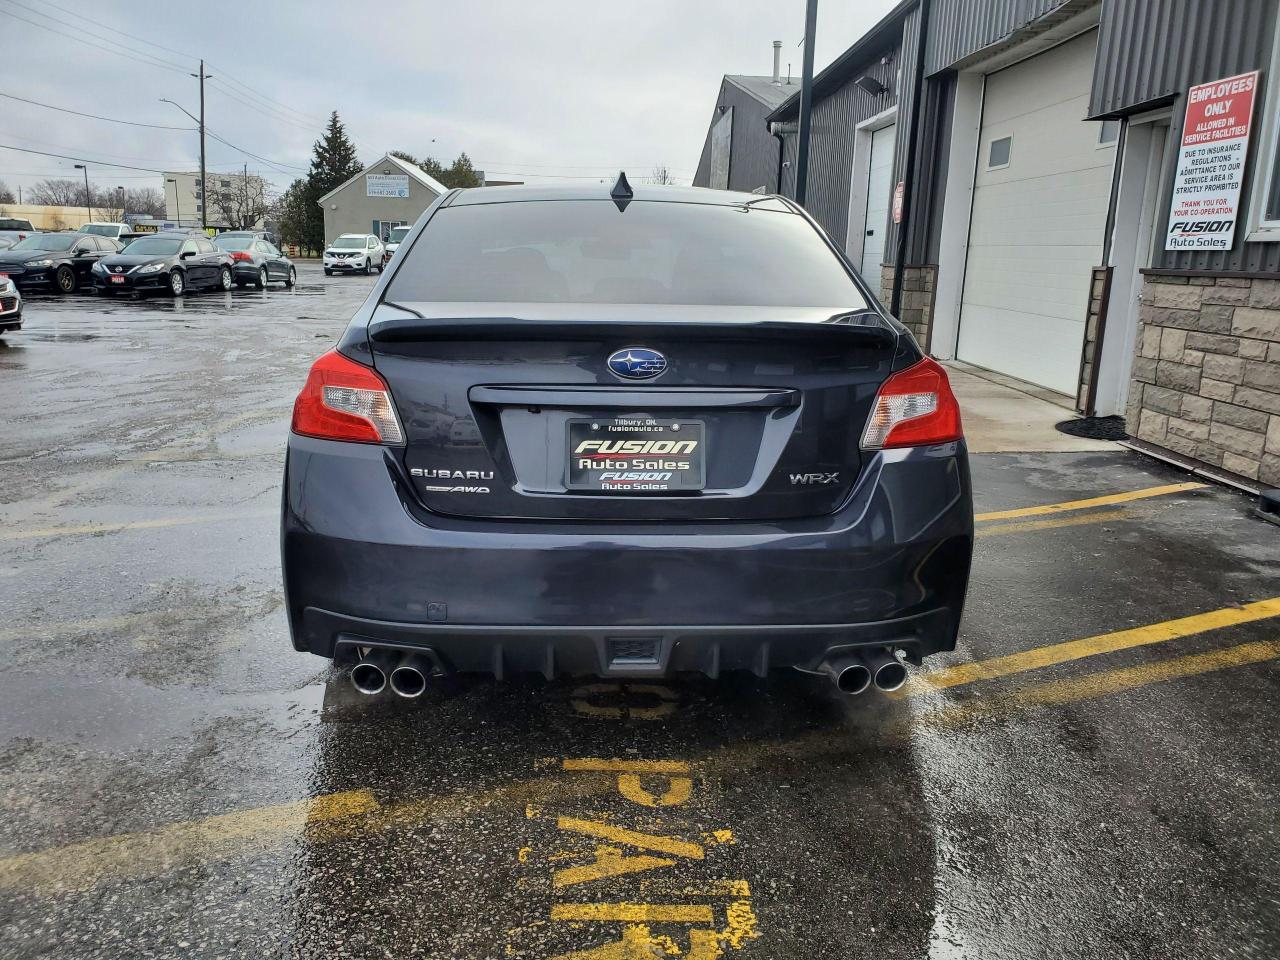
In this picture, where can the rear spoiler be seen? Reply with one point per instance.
(864, 328)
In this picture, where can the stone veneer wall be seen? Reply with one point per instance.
(1206, 378)
(1097, 295)
(918, 286)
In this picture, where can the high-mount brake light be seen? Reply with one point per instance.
(914, 408)
(345, 400)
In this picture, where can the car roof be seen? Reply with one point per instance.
(600, 191)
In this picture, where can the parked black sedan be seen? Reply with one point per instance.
(256, 261)
(173, 262)
(57, 261)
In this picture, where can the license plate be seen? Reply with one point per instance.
(115, 279)
(636, 455)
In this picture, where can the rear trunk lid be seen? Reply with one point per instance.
(512, 410)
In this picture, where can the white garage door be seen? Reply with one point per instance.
(1040, 201)
(879, 186)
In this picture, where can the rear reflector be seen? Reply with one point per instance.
(914, 408)
(345, 400)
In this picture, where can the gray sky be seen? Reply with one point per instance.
(528, 90)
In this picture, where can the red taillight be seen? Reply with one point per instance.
(241, 255)
(345, 400)
(914, 408)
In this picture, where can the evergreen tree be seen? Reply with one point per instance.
(460, 174)
(333, 163)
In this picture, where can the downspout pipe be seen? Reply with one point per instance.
(909, 174)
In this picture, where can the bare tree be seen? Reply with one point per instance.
(6, 195)
(147, 201)
(661, 174)
(57, 193)
(242, 204)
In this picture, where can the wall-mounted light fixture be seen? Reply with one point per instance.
(871, 85)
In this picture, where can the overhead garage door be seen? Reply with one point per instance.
(1040, 200)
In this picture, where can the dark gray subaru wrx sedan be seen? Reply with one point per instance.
(625, 433)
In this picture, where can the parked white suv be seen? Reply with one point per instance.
(352, 252)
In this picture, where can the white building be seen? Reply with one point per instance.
(231, 198)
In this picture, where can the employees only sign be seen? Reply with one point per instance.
(1215, 143)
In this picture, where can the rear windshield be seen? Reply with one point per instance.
(399, 233)
(46, 241)
(587, 251)
(234, 243)
(100, 229)
(8, 223)
(154, 247)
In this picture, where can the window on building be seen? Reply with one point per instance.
(999, 152)
(1109, 132)
(1264, 202)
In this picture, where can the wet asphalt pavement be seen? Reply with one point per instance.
(177, 782)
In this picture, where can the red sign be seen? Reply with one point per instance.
(1215, 145)
(898, 193)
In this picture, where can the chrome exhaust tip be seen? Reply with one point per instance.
(369, 675)
(409, 679)
(887, 671)
(368, 678)
(847, 671)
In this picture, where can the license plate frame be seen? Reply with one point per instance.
(637, 468)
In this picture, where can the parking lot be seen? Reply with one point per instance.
(1092, 773)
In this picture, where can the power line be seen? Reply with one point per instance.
(281, 167)
(93, 116)
(64, 156)
(151, 61)
(227, 78)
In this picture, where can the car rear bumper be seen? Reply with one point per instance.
(365, 565)
(244, 272)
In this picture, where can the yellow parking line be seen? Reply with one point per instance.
(633, 912)
(1038, 657)
(80, 866)
(1108, 682)
(1049, 508)
(78, 529)
(1027, 526)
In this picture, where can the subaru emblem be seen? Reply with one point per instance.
(637, 363)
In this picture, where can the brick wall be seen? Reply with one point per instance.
(918, 285)
(1206, 378)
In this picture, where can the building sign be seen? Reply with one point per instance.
(898, 193)
(1215, 143)
(386, 185)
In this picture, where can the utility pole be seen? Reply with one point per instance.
(244, 212)
(806, 102)
(204, 200)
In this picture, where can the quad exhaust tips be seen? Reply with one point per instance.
(853, 672)
(405, 674)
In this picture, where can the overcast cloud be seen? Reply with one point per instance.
(528, 89)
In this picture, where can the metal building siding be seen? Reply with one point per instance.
(753, 155)
(958, 28)
(1153, 50)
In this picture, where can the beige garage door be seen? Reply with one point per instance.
(1040, 201)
